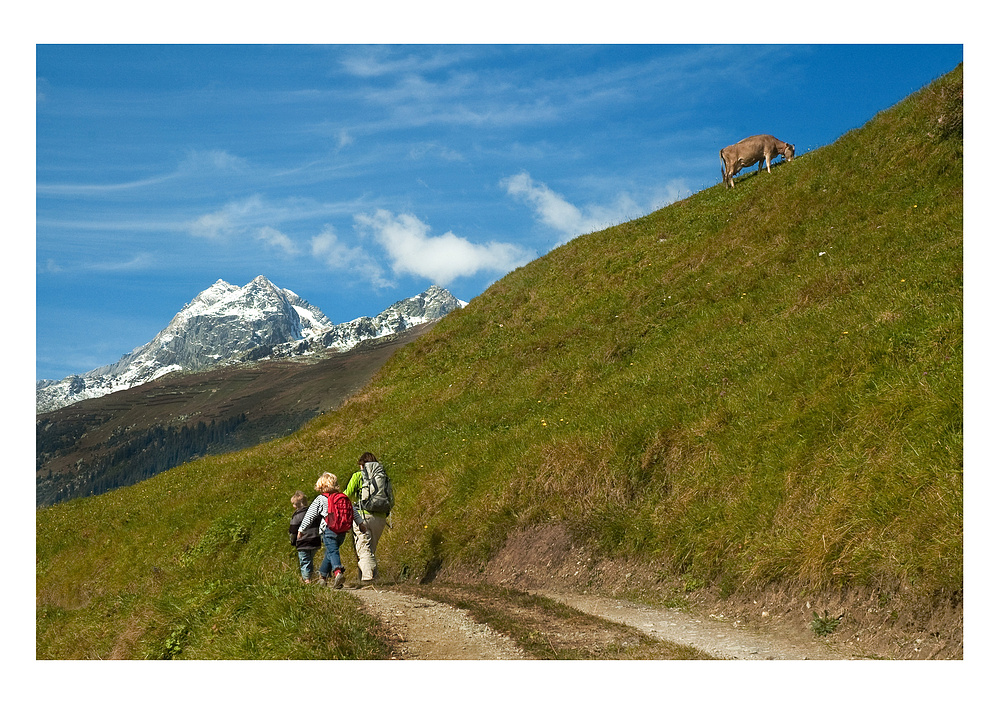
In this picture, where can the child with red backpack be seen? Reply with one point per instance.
(335, 514)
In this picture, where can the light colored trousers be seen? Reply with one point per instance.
(365, 544)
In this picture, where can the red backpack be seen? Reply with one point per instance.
(339, 513)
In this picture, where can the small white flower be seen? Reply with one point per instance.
(822, 253)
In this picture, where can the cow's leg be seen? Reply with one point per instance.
(767, 160)
(735, 169)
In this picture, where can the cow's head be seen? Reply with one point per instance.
(788, 152)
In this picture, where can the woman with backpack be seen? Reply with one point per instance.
(336, 515)
(371, 492)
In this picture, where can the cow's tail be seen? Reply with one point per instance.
(723, 160)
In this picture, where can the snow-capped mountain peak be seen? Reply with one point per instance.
(228, 324)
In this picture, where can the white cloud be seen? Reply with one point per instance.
(215, 159)
(250, 215)
(195, 163)
(550, 207)
(564, 217)
(139, 262)
(277, 239)
(212, 225)
(87, 189)
(232, 217)
(337, 255)
(370, 62)
(441, 258)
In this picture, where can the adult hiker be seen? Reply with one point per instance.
(336, 516)
(371, 492)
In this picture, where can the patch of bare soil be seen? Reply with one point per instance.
(422, 629)
(771, 624)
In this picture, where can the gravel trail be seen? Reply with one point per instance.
(716, 635)
(428, 630)
(423, 629)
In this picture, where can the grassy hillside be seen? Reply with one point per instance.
(748, 387)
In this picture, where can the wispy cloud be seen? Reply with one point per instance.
(277, 240)
(407, 90)
(140, 262)
(435, 150)
(371, 62)
(196, 163)
(442, 258)
(97, 189)
(341, 257)
(212, 159)
(261, 217)
(233, 217)
(555, 211)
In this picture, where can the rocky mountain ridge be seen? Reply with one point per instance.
(227, 324)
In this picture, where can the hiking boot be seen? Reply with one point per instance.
(366, 583)
(338, 579)
(321, 581)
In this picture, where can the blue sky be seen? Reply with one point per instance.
(358, 175)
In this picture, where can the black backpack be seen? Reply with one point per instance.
(376, 489)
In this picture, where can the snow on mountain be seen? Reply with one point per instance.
(226, 324)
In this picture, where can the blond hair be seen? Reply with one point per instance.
(299, 500)
(327, 483)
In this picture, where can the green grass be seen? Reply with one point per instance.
(188, 565)
(750, 386)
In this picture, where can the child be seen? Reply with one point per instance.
(327, 486)
(307, 541)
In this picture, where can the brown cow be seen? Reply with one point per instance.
(759, 149)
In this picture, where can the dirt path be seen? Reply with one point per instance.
(428, 630)
(716, 635)
(424, 629)
(575, 623)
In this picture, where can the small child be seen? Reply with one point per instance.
(308, 542)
